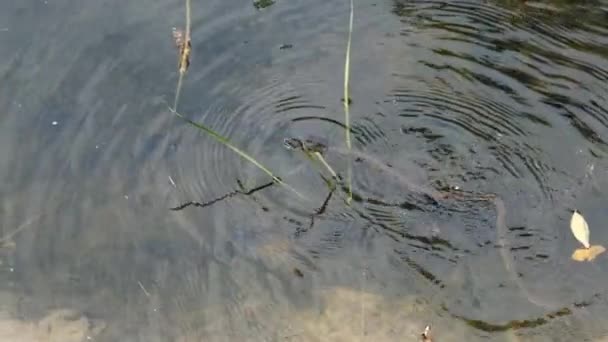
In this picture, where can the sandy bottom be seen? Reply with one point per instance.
(57, 326)
(346, 315)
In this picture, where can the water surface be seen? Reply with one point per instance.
(495, 97)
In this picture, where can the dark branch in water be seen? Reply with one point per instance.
(242, 191)
(318, 212)
(256, 189)
(514, 324)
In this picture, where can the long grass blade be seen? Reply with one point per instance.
(320, 158)
(178, 90)
(224, 141)
(346, 103)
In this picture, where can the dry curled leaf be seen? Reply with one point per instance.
(426, 334)
(588, 254)
(579, 228)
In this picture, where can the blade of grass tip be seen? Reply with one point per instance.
(346, 104)
(224, 141)
(178, 90)
(317, 158)
(325, 164)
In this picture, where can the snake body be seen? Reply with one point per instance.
(311, 146)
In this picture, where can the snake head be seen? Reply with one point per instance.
(309, 146)
(293, 144)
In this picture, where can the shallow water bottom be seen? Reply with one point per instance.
(344, 315)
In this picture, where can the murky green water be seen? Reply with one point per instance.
(496, 97)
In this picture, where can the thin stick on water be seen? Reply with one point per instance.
(143, 288)
(9, 237)
(346, 104)
(172, 182)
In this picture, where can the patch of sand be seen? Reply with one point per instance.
(57, 326)
(345, 315)
(351, 315)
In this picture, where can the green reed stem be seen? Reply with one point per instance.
(319, 158)
(178, 90)
(188, 19)
(346, 104)
(224, 141)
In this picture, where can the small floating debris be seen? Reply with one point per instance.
(141, 286)
(54, 123)
(580, 230)
(260, 4)
(426, 334)
(285, 46)
(350, 100)
(172, 182)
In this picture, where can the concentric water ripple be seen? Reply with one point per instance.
(493, 90)
(454, 105)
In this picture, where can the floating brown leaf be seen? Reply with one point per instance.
(579, 228)
(588, 254)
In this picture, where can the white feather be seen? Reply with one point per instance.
(580, 229)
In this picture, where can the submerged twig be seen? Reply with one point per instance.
(223, 197)
(141, 286)
(346, 103)
(9, 237)
(321, 210)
